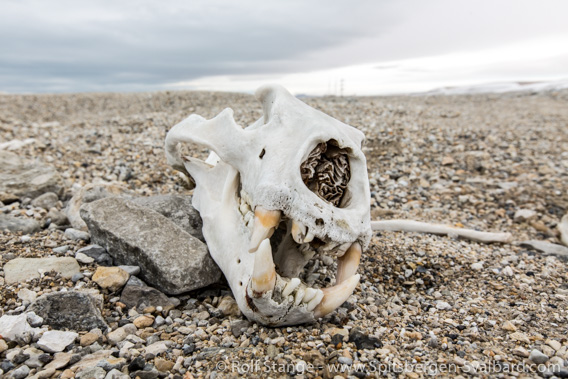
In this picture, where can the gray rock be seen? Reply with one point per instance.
(46, 201)
(34, 320)
(20, 373)
(69, 310)
(115, 374)
(77, 235)
(170, 259)
(22, 269)
(83, 258)
(91, 373)
(61, 249)
(538, 357)
(547, 248)
(98, 253)
(55, 341)
(15, 328)
(22, 178)
(136, 294)
(17, 224)
(178, 209)
(57, 217)
(34, 360)
(88, 194)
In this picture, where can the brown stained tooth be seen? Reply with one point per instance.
(334, 296)
(347, 264)
(263, 275)
(265, 222)
(298, 231)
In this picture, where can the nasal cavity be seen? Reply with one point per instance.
(326, 172)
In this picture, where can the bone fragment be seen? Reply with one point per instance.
(265, 222)
(423, 227)
(347, 264)
(335, 296)
(263, 275)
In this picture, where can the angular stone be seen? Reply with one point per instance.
(136, 294)
(17, 224)
(22, 269)
(229, 306)
(15, 328)
(46, 201)
(27, 295)
(77, 235)
(143, 321)
(22, 178)
(523, 215)
(113, 278)
(538, 357)
(170, 259)
(69, 310)
(178, 209)
(91, 373)
(55, 341)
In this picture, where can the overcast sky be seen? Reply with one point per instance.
(315, 47)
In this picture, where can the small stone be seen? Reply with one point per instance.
(143, 321)
(521, 337)
(60, 360)
(91, 373)
(21, 372)
(83, 258)
(45, 374)
(27, 295)
(131, 270)
(116, 374)
(163, 365)
(22, 269)
(447, 161)
(538, 357)
(16, 224)
(136, 294)
(55, 341)
(113, 278)
(554, 344)
(61, 249)
(477, 266)
(508, 325)
(157, 348)
(120, 334)
(508, 271)
(3, 346)
(229, 306)
(78, 276)
(34, 320)
(14, 328)
(77, 235)
(442, 305)
(239, 327)
(88, 339)
(345, 361)
(93, 251)
(363, 341)
(524, 215)
(46, 201)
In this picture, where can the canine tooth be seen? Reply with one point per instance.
(291, 286)
(264, 223)
(335, 296)
(263, 274)
(347, 264)
(309, 295)
(298, 231)
(299, 296)
(315, 301)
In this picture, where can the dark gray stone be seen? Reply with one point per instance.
(136, 294)
(178, 209)
(170, 259)
(22, 178)
(15, 224)
(98, 253)
(69, 310)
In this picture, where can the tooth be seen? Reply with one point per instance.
(264, 223)
(291, 286)
(299, 296)
(244, 208)
(309, 237)
(348, 263)
(298, 231)
(343, 248)
(263, 275)
(315, 301)
(334, 296)
(309, 295)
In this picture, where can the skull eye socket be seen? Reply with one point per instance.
(326, 172)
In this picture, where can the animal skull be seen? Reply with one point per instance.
(273, 195)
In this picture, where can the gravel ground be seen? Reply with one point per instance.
(425, 304)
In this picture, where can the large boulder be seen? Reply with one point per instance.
(170, 258)
(69, 310)
(23, 178)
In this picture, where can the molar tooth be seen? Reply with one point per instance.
(335, 296)
(299, 296)
(265, 222)
(244, 207)
(298, 231)
(315, 301)
(348, 263)
(309, 295)
(291, 286)
(263, 274)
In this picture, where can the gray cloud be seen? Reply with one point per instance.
(62, 46)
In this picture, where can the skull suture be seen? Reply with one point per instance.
(272, 196)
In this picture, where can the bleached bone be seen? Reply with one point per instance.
(291, 184)
(423, 227)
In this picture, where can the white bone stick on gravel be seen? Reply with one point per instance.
(423, 227)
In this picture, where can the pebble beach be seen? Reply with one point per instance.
(426, 305)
